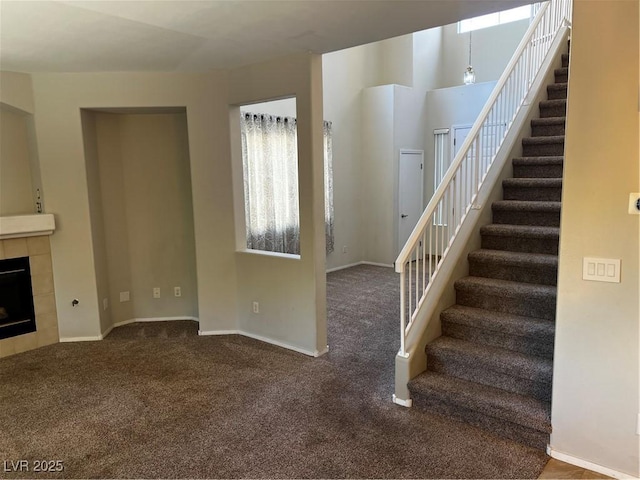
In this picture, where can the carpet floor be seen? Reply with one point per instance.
(155, 400)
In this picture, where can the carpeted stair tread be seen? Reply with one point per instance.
(565, 59)
(561, 74)
(526, 206)
(538, 161)
(484, 399)
(532, 189)
(492, 286)
(548, 121)
(521, 238)
(543, 140)
(553, 108)
(557, 91)
(514, 259)
(500, 322)
(532, 182)
(518, 298)
(470, 355)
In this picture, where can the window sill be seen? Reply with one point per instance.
(264, 253)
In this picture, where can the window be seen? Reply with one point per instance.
(498, 18)
(270, 174)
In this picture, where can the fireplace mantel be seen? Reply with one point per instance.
(18, 226)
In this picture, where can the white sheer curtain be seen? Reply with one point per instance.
(270, 168)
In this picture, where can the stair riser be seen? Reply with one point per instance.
(556, 93)
(565, 60)
(562, 77)
(543, 150)
(537, 194)
(547, 130)
(508, 302)
(480, 374)
(552, 110)
(538, 274)
(512, 431)
(516, 217)
(538, 346)
(520, 244)
(535, 171)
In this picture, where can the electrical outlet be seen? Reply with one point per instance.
(256, 307)
(156, 292)
(124, 296)
(344, 249)
(177, 291)
(105, 303)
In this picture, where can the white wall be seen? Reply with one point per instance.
(491, 50)
(284, 108)
(447, 107)
(596, 364)
(16, 194)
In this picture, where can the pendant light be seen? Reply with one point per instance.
(469, 76)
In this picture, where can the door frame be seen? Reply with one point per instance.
(398, 212)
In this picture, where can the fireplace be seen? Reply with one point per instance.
(17, 314)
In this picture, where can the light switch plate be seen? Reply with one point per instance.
(601, 269)
(634, 203)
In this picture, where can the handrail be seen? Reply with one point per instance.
(436, 229)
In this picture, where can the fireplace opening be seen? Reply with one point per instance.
(17, 314)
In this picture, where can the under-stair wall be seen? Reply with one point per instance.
(428, 326)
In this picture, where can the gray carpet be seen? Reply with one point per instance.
(157, 401)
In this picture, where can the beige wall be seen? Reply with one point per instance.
(596, 364)
(291, 292)
(141, 214)
(16, 190)
(491, 50)
(16, 90)
(59, 99)
(96, 210)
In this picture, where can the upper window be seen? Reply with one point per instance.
(493, 19)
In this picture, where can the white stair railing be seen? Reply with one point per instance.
(426, 249)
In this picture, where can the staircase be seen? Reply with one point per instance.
(492, 366)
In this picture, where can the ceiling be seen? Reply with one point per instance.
(183, 35)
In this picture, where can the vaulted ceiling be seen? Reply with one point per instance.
(182, 35)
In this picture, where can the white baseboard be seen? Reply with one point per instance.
(218, 332)
(335, 269)
(271, 341)
(81, 339)
(405, 403)
(375, 264)
(578, 462)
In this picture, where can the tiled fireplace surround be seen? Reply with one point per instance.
(38, 250)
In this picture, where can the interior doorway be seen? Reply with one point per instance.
(410, 193)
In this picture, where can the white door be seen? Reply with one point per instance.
(460, 133)
(409, 193)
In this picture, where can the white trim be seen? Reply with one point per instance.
(277, 343)
(375, 264)
(80, 339)
(405, 403)
(578, 462)
(204, 333)
(18, 226)
(364, 262)
(335, 269)
(160, 319)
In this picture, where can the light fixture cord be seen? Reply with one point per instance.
(469, 48)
